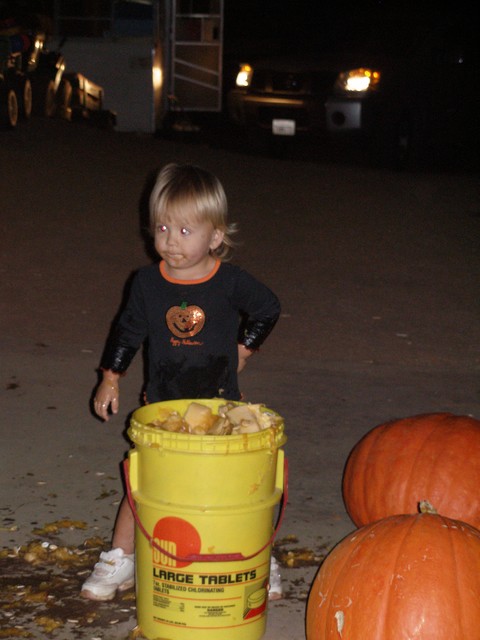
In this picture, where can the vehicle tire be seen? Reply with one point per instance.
(24, 96)
(44, 98)
(8, 107)
(64, 100)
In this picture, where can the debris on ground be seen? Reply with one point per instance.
(41, 583)
(290, 555)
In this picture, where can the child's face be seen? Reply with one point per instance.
(185, 243)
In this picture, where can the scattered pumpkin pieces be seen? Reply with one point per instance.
(37, 552)
(40, 590)
(14, 632)
(48, 624)
(54, 527)
(303, 557)
(297, 556)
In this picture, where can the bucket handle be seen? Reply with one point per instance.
(208, 557)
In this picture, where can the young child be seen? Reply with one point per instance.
(188, 307)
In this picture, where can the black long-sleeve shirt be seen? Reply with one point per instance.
(192, 329)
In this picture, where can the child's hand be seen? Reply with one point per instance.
(243, 355)
(107, 396)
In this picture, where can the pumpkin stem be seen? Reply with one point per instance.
(424, 506)
(183, 306)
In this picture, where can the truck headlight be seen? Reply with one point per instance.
(357, 80)
(244, 75)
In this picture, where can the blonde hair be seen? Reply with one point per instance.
(188, 187)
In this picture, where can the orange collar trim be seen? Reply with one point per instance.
(198, 281)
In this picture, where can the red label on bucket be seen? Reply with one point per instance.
(178, 537)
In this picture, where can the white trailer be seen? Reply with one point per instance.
(156, 60)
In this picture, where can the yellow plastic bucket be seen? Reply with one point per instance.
(204, 509)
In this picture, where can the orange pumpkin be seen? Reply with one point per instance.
(406, 577)
(434, 457)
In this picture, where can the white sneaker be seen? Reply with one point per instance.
(275, 589)
(114, 571)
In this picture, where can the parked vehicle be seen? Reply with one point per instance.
(29, 76)
(33, 81)
(398, 84)
(15, 87)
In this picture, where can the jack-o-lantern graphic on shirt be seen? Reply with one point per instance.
(185, 321)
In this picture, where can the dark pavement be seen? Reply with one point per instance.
(378, 274)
